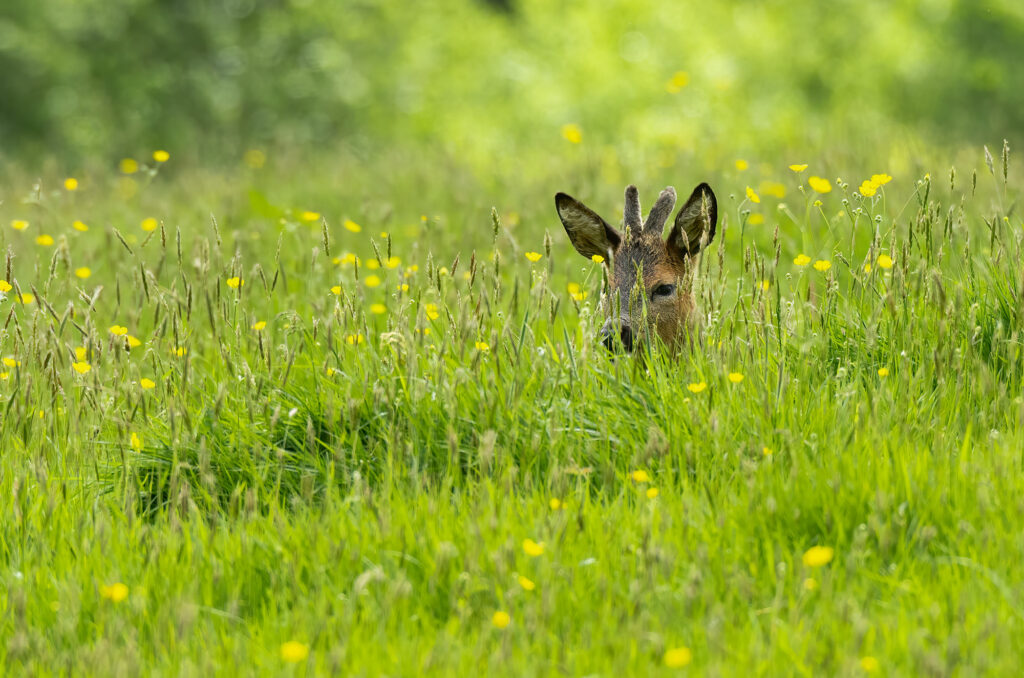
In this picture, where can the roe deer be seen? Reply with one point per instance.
(650, 279)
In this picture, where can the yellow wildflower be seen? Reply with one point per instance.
(235, 282)
(378, 309)
(880, 179)
(71, 184)
(354, 339)
(652, 492)
(482, 346)
(81, 353)
(822, 265)
(678, 81)
(180, 351)
(133, 342)
(118, 330)
(810, 584)
(555, 504)
(883, 371)
(129, 166)
(83, 272)
(735, 377)
(884, 261)
(27, 298)
(135, 442)
(802, 260)
(352, 226)
(501, 620)
(526, 584)
(431, 311)
(372, 264)
(309, 216)
(149, 224)
(756, 219)
(44, 240)
(393, 262)
(294, 652)
(697, 388)
(115, 592)
(597, 258)
(147, 383)
(819, 185)
(767, 451)
(678, 657)
(336, 290)
(572, 133)
(81, 367)
(19, 224)
(753, 197)
(532, 548)
(640, 476)
(4, 286)
(372, 281)
(867, 189)
(161, 156)
(742, 165)
(259, 325)
(869, 664)
(817, 556)
(765, 284)
(798, 168)
(534, 256)
(79, 226)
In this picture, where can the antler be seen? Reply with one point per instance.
(631, 215)
(660, 212)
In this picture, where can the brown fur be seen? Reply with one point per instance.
(641, 255)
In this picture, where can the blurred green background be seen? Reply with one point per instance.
(494, 81)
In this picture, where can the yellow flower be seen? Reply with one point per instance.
(294, 652)
(867, 189)
(482, 346)
(129, 166)
(756, 219)
(501, 620)
(678, 81)
(572, 133)
(652, 492)
(532, 548)
(372, 264)
(880, 179)
(869, 664)
(336, 290)
(773, 188)
(115, 592)
(597, 258)
(255, 158)
(71, 184)
(135, 442)
(378, 309)
(4, 286)
(698, 387)
(259, 325)
(133, 342)
(118, 330)
(19, 224)
(27, 298)
(678, 657)
(81, 367)
(4, 376)
(431, 311)
(83, 272)
(235, 283)
(372, 281)
(640, 476)
(767, 451)
(79, 226)
(810, 584)
(310, 216)
(81, 352)
(822, 265)
(798, 168)
(354, 339)
(161, 156)
(817, 556)
(765, 284)
(147, 383)
(352, 226)
(820, 185)
(331, 371)
(867, 268)
(555, 504)
(44, 240)
(884, 261)
(802, 260)
(393, 262)
(818, 203)
(753, 197)
(742, 165)
(883, 371)
(533, 256)
(404, 287)
(149, 224)
(180, 351)
(526, 584)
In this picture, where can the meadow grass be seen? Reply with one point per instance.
(372, 428)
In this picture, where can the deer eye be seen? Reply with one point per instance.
(662, 291)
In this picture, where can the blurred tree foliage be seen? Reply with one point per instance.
(110, 77)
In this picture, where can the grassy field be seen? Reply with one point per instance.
(310, 419)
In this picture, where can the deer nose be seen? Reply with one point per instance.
(624, 331)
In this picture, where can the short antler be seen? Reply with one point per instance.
(631, 215)
(660, 212)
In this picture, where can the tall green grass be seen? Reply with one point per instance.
(361, 479)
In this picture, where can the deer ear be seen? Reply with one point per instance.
(589, 233)
(698, 217)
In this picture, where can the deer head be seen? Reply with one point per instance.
(650, 278)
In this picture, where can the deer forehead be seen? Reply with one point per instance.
(649, 255)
